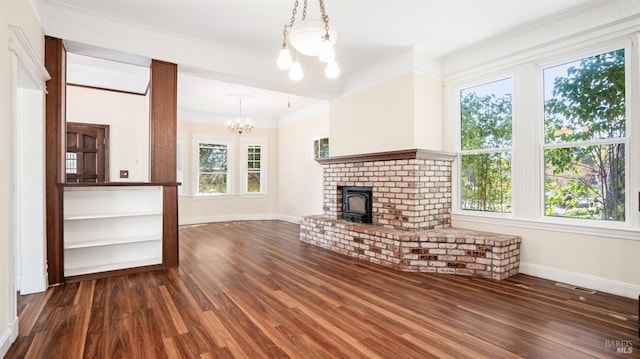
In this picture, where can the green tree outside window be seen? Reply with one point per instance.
(212, 169)
(485, 181)
(585, 131)
(254, 162)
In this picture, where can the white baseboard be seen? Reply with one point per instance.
(581, 280)
(230, 218)
(8, 337)
(239, 217)
(287, 218)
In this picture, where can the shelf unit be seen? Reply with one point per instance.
(111, 228)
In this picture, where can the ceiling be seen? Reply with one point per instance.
(368, 33)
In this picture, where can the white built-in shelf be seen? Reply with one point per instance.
(71, 271)
(112, 241)
(111, 227)
(75, 217)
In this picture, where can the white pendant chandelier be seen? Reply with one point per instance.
(309, 37)
(240, 125)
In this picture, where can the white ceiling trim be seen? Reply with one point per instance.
(569, 30)
(225, 64)
(221, 119)
(75, 23)
(392, 67)
(85, 27)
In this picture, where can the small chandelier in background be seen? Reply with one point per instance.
(311, 38)
(240, 125)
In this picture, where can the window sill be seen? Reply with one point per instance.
(608, 230)
(253, 195)
(227, 196)
(214, 196)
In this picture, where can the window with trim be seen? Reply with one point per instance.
(213, 175)
(321, 148)
(71, 163)
(254, 169)
(486, 139)
(585, 144)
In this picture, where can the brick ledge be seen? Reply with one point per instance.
(445, 250)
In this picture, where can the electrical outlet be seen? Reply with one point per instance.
(124, 173)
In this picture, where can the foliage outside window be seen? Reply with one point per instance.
(486, 139)
(212, 168)
(254, 169)
(585, 135)
(321, 148)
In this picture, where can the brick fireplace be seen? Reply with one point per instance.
(411, 217)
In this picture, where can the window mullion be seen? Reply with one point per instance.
(606, 141)
(526, 121)
(485, 151)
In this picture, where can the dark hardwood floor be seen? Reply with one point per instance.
(253, 290)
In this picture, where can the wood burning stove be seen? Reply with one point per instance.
(357, 204)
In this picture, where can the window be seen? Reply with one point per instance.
(253, 169)
(572, 145)
(486, 138)
(585, 138)
(321, 148)
(213, 175)
(254, 165)
(71, 163)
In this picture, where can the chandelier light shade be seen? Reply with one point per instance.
(241, 124)
(309, 37)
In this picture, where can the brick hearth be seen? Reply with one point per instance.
(411, 228)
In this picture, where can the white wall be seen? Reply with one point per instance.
(17, 13)
(128, 118)
(428, 100)
(299, 176)
(30, 192)
(201, 209)
(399, 114)
(379, 118)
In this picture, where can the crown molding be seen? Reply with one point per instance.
(405, 62)
(86, 27)
(19, 44)
(213, 118)
(570, 30)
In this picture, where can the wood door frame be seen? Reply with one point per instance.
(105, 128)
(55, 57)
